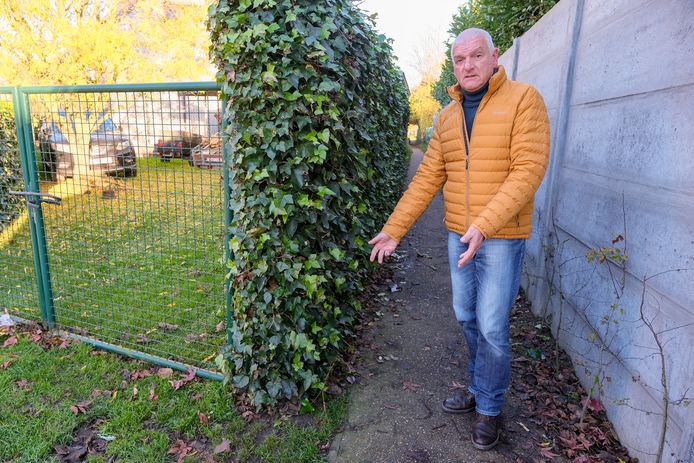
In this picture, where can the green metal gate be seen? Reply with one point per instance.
(125, 217)
(18, 289)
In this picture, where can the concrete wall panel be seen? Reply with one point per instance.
(627, 154)
(638, 139)
(637, 51)
(658, 238)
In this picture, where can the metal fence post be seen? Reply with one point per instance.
(31, 185)
(228, 216)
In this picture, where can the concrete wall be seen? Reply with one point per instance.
(618, 80)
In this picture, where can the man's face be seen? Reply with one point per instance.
(474, 63)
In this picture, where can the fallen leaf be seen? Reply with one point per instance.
(165, 373)
(181, 449)
(11, 341)
(140, 374)
(152, 396)
(203, 418)
(167, 326)
(408, 386)
(249, 415)
(5, 364)
(77, 453)
(98, 392)
(219, 327)
(455, 385)
(547, 452)
(186, 378)
(142, 339)
(22, 383)
(81, 407)
(135, 392)
(596, 405)
(225, 446)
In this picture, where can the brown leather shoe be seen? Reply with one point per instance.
(461, 403)
(485, 432)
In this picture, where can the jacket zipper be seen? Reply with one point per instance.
(466, 139)
(467, 176)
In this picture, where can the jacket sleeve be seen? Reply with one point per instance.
(430, 176)
(529, 153)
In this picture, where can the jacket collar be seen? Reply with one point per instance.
(498, 78)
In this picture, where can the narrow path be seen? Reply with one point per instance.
(417, 356)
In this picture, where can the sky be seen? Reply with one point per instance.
(410, 23)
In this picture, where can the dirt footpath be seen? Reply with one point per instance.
(416, 359)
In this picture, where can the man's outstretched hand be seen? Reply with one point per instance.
(473, 238)
(383, 245)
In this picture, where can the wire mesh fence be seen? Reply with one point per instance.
(136, 246)
(18, 291)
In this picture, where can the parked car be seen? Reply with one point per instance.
(208, 154)
(177, 144)
(54, 151)
(110, 151)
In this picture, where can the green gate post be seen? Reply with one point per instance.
(31, 185)
(228, 216)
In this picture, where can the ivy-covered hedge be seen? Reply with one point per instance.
(10, 168)
(317, 118)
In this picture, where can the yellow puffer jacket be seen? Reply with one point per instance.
(493, 187)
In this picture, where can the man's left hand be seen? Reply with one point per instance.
(473, 238)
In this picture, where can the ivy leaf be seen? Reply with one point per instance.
(306, 407)
(241, 382)
(323, 191)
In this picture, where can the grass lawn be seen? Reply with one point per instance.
(71, 400)
(142, 268)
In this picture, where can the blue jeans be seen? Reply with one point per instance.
(483, 292)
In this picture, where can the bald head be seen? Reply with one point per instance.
(471, 34)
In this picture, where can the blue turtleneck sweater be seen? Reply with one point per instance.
(471, 101)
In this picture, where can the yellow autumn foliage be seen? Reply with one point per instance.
(423, 106)
(61, 42)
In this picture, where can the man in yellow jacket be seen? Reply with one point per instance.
(489, 152)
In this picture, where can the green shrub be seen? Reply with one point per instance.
(317, 118)
(10, 168)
